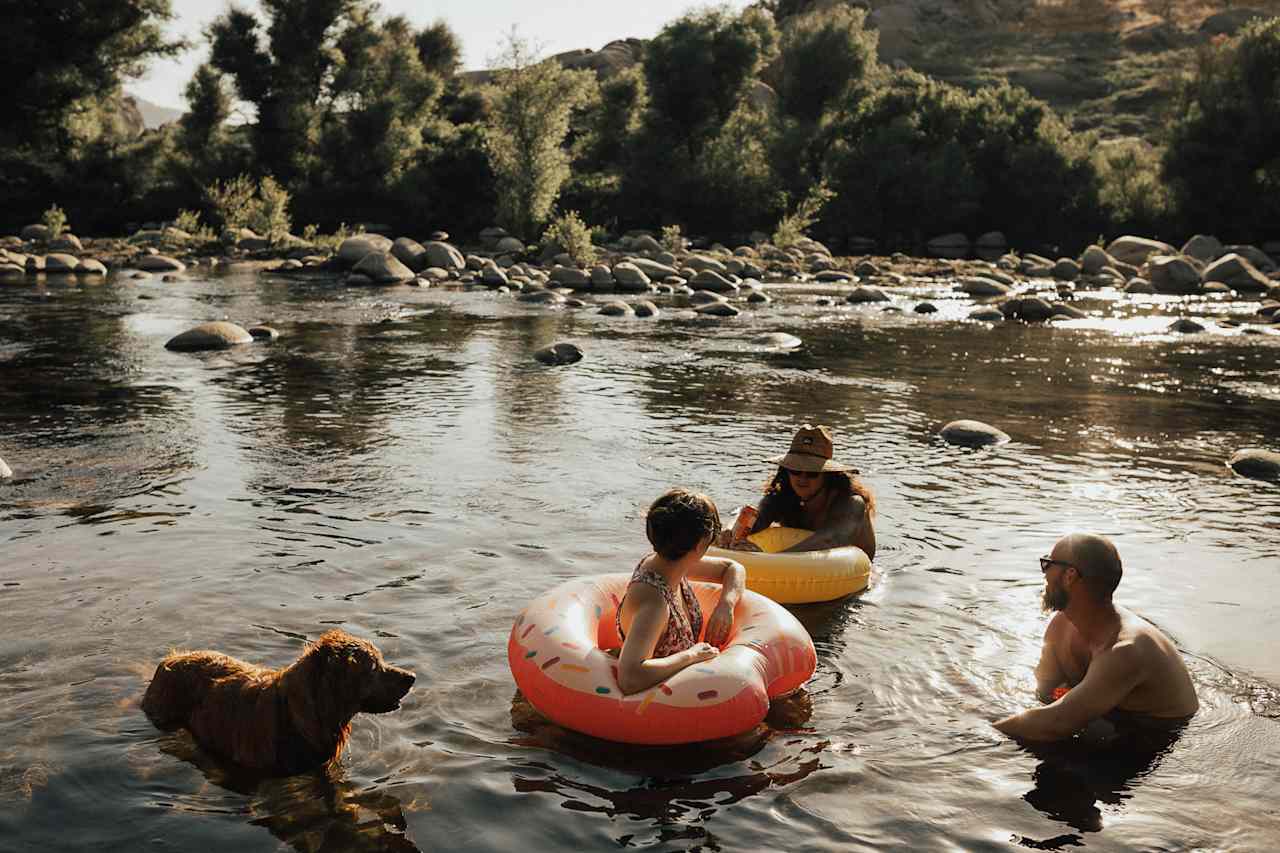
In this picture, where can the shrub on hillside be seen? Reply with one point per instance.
(917, 157)
(262, 207)
(1134, 197)
(1223, 158)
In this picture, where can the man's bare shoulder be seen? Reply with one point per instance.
(1059, 629)
(1141, 634)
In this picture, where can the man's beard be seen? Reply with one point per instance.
(1054, 598)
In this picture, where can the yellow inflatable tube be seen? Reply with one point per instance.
(802, 577)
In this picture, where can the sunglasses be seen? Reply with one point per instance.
(1046, 562)
(804, 475)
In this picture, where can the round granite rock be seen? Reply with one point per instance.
(972, 434)
(216, 335)
(557, 354)
(1256, 463)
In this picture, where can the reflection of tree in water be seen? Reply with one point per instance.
(334, 387)
(311, 812)
(669, 792)
(80, 429)
(1073, 777)
(528, 397)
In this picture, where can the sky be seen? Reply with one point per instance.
(555, 26)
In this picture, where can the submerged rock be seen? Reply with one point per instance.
(860, 295)
(383, 268)
(353, 249)
(1136, 250)
(972, 434)
(645, 308)
(987, 315)
(558, 354)
(718, 309)
(216, 335)
(541, 297)
(160, 263)
(1256, 463)
(263, 333)
(777, 340)
(1185, 326)
(926, 308)
(616, 308)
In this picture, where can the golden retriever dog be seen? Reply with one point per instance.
(278, 721)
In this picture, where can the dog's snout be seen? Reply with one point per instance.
(404, 676)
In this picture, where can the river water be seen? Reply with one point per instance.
(396, 464)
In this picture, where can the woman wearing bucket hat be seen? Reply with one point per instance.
(814, 492)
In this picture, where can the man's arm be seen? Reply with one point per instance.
(1049, 673)
(1111, 677)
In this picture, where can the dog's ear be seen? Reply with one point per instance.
(323, 689)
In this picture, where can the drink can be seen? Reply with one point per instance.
(746, 520)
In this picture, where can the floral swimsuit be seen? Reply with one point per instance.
(684, 624)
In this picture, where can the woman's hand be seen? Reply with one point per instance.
(699, 652)
(719, 625)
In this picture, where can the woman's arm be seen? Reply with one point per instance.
(847, 524)
(637, 668)
(732, 577)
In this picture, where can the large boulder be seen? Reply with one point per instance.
(90, 266)
(860, 295)
(616, 308)
(1256, 463)
(57, 262)
(383, 268)
(558, 354)
(991, 245)
(1093, 259)
(983, 286)
(509, 245)
(66, 243)
(570, 276)
(630, 277)
(354, 248)
(717, 309)
(602, 277)
(35, 232)
(987, 315)
(954, 245)
(702, 263)
(1260, 259)
(1203, 248)
(1029, 309)
(207, 336)
(968, 433)
(1065, 269)
(711, 280)
(411, 253)
(159, 263)
(1136, 250)
(1237, 273)
(655, 270)
(1173, 274)
(645, 243)
(445, 256)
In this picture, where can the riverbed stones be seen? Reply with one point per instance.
(265, 334)
(704, 263)
(570, 276)
(616, 308)
(383, 268)
(991, 245)
(645, 308)
(491, 276)
(66, 243)
(558, 354)
(1139, 285)
(1136, 250)
(705, 297)
(443, 255)
(1065, 269)
(987, 315)
(35, 232)
(57, 262)
(1173, 275)
(12, 272)
(777, 340)
(1184, 326)
(757, 297)
(655, 270)
(210, 336)
(861, 295)
(1029, 309)
(983, 286)
(969, 433)
(411, 253)
(955, 245)
(508, 245)
(160, 263)
(630, 277)
(926, 308)
(1203, 247)
(1256, 463)
(541, 297)
(601, 277)
(717, 309)
(1237, 273)
(1094, 259)
(708, 279)
(354, 248)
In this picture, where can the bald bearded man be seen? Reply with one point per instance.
(1114, 663)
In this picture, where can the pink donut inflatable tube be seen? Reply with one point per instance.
(558, 659)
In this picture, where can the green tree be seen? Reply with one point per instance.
(699, 69)
(823, 54)
(439, 50)
(918, 157)
(62, 58)
(1223, 157)
(284, 73)
(526, 130)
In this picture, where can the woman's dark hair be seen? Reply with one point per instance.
(841, 482)
(680, 521)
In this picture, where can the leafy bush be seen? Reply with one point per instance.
(792, 227)
(568, 233)
(916, 157)
(823, 53)
(1134, 196)
(672, 238)
(1223, 157)
(187, 220)
(262, 207)
(55, 220)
